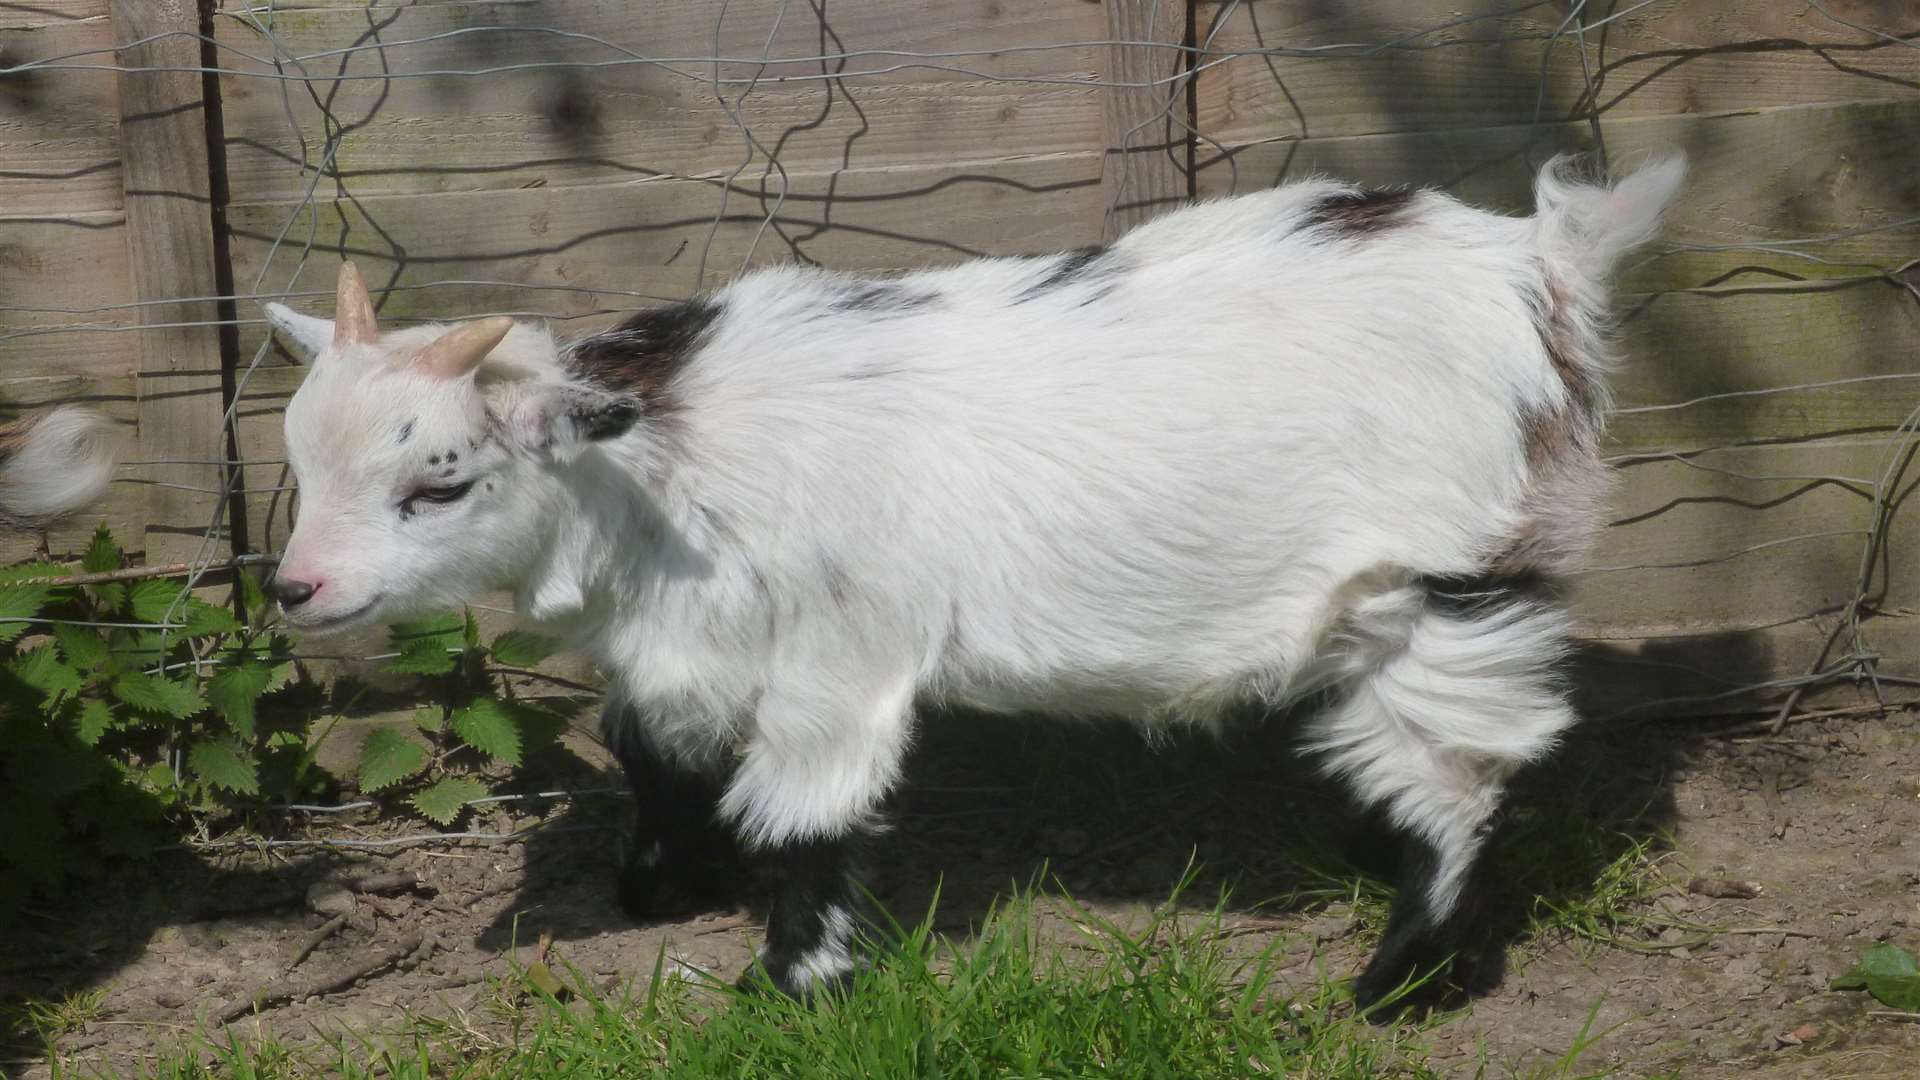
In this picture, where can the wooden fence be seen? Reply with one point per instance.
(579, 158)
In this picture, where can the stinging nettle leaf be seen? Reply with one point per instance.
(222, 764)
(421, 658)
(203, 619)
(488, 727)
(152, 601)
(20, 602)
(103, 555)
(388, 757)
(82, 647)
(151, 694)
(517, 648)
(443, 801)
(94, 721)
(233, 692)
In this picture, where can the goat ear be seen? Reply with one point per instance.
(563, 420)
(305, 336)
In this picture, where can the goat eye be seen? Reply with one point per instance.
(453, 493)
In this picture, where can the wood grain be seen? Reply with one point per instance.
(1452, 67)
(170, 256)
(1146, 138)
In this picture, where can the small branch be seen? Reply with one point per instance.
(135, 573)
(281, 991)
(327, 929)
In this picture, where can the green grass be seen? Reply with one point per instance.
(1171, 998)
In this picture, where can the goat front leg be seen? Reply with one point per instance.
(805, 797)
(681, 858)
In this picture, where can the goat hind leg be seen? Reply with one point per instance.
(1430, 733)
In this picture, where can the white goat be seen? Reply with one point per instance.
(53, 463)
(1314, 438)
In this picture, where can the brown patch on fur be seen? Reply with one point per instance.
(642, 355)
(1358, 213)
(1556, 334)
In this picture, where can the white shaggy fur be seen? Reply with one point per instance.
(54, 463)
(1212, 464)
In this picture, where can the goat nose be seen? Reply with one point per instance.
(291, 593)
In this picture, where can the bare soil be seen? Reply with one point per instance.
(1824, 819)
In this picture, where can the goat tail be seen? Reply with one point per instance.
(54, 463)
(1584, 227)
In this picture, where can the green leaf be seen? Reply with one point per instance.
(252, 597)
(40, 668)
(388, 757)
(544, 980)
(82, 647)
(443, 801)
(10, 575)
(132, 650)
(150, 694)
(443, 631)
(95, 720)
(203, 619)
(488, 727)
(421, 658)
(517, 648)
(153, 600)
(224, 765)
(20, 602)
(1896, 991)
(103, 555)
(233, 692)
(469, 629)
(1884, 961)
(540, 727)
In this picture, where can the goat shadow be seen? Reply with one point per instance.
(993, 804)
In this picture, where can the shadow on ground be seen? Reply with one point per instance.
(1109, 816)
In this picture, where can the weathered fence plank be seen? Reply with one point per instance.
(170, 249)
(1147, 145)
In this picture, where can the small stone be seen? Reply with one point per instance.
(329, 899)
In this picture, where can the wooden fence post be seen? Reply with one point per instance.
(1147, 159)
(169, 203)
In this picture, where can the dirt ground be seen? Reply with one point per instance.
(1824, 819)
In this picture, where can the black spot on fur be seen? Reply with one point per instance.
(882, 298)
(642, 356)
(1078, 265)
(406, 432)
(609, 421)
(1470, 595)
(433, 459)
(1357, 213)
(452, 457)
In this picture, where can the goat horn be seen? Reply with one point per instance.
(461, 349)
(353, 310)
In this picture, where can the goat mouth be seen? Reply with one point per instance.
(332, 623)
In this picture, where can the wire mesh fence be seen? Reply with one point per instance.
(574, 160)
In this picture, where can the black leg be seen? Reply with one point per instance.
(680, 859)
(1419, 941)
(816, 914)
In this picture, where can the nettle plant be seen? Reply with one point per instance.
(130, 706)
(122, 701)
(474, 721)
